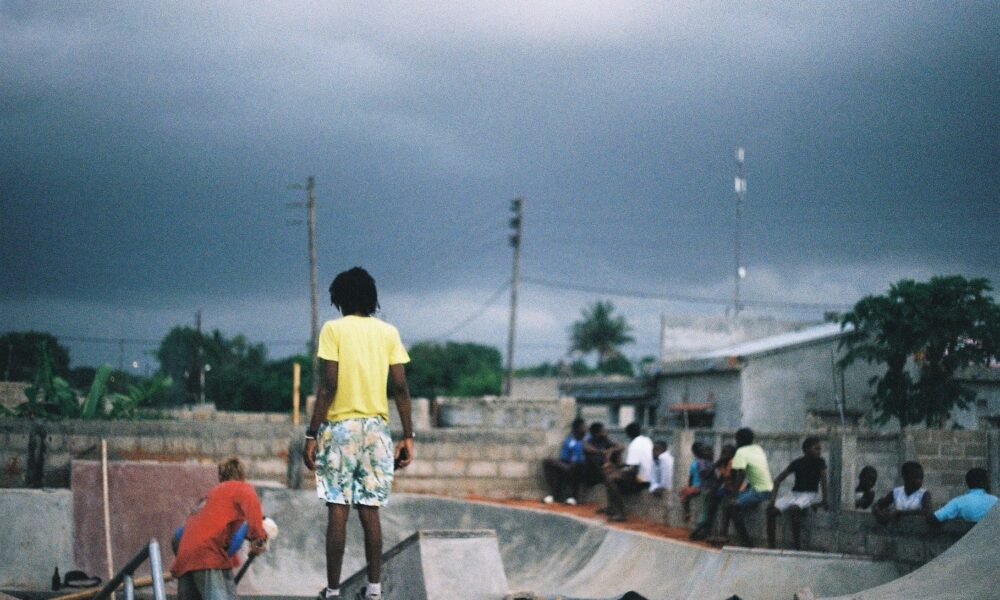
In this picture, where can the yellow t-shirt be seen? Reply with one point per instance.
(363, 348)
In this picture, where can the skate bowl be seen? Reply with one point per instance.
(555, 555)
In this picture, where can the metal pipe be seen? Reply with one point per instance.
(129, 588)
(156, 564)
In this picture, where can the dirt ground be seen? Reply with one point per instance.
(589, 511)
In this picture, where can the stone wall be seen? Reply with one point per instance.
(12, 393)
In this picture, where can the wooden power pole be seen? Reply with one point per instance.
(314, 299)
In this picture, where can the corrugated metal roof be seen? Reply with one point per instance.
(784, 340)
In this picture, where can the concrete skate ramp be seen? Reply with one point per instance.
(553, 554)
(969, 569)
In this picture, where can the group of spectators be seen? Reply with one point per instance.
(724, 490)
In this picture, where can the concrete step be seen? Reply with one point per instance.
(442, 564)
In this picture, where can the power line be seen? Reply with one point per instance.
(475, 315)
(680, 297)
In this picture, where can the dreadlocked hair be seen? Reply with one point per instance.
(353, 293)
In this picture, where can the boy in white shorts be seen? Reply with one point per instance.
(347, 442)
(810, 478)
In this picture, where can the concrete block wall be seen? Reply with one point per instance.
(263, 446)
(946, 456)
(505, 413)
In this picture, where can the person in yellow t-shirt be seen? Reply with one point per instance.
(348, 442)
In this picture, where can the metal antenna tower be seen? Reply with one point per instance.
(740, 185)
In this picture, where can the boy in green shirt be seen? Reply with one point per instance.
(347, 442)
(749, 465)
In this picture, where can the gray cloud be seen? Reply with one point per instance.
(145, 151)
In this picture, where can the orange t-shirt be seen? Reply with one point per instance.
(208, 530)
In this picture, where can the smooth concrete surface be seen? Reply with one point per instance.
(552, 554)
(969, 569)
(36, 537)
(440, 565)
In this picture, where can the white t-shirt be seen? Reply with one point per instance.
(664, 476)
(640, 453)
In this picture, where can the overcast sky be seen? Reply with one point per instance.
(146, 151)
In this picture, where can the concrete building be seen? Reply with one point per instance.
(786, 382)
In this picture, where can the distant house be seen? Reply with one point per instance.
(785, 382)
(615, 400)
(984, 413)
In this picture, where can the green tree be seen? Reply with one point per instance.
(601, 331)
(453, 369)
(931, 328)
(20, 358)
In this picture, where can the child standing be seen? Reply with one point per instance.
(909, 499)
(810, 476)
(348, 441)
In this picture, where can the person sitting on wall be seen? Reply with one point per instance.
(203, 566)
(693, 487)
(907, 500)
(632, 477)
(663, 472)
(716, 495)
(971, 506)
(750, 466)
(810, 477)
(566, 472)
(599, 450)
(864, 494)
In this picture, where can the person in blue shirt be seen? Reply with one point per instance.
(566, 472)
(971, 506)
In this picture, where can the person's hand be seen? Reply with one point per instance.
(404, 444)
(309, 455)
(258, 547)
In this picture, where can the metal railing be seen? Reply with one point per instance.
(124, 576)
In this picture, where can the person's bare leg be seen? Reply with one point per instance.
(772, 517)
(336, 537)
(372, 525)
(795, 520)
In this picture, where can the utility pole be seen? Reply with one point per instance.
(740, 184)
(310, 205)
(516, 206)
(314, 300)
(200, 359)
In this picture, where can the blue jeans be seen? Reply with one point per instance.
(751, 497)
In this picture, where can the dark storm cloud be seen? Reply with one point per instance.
(145, 150)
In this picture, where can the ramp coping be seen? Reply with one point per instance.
(798, 553)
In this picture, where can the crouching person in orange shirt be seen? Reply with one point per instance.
(202, 566)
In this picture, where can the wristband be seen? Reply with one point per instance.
(310, 434)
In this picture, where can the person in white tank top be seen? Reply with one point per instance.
(909, 499)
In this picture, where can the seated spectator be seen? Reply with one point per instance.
(907, 500)
(566, 472)
(971, 506)
(663, 471)
(864, 494)
(598, 450)
(750, 466)
(693, 487)
(810, 476)
(716, 495)
(632, 477)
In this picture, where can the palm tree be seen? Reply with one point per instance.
(602, 331)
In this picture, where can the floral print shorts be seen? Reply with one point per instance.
(354, 461)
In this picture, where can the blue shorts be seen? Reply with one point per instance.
(751, 497)
(354, 461)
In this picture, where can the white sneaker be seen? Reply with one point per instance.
(571, 501)
(548, 500)
(364, 595)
